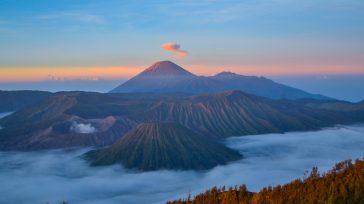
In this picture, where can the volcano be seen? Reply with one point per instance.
(163, 145)
(168, 77)
(157, 78)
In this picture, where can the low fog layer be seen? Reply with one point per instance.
(4, 114)
(54, 176)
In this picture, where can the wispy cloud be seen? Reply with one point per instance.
(82, 78)
(75, 16)
(175, 48)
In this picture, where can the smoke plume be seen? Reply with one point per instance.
(175, 48)
(82, 128)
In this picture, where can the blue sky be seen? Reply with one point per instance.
(83, 33)
(261, 37)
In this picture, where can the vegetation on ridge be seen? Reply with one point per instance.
(343, 184)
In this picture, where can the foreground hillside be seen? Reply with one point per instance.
(343, 184)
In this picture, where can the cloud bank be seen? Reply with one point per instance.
(175, 48)
(269, 160)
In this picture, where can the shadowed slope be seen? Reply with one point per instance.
(15, 100)
(232, 113)
(161, 145)
(262, 86)
(47, 124)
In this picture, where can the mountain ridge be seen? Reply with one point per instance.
(159, 75)
(15, 100)
(48, 123)
(166, 67)
(168, 77)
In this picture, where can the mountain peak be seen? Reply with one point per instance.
(158, 77)
(163, 145)
(230, 75)
(226, 75)
(166, 68)
(164, 62)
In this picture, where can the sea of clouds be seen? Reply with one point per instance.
(62, 175)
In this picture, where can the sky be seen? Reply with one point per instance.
(90, 40)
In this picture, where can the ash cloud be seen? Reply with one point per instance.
(82, 128)
(269, 160)
(175, 48)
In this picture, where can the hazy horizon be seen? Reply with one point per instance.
(342, 87)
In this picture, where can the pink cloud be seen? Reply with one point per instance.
(175, 48)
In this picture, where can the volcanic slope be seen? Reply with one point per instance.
(163, 145)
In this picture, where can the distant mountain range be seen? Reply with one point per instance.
(167, 77)
(163, 145)
(15, 100)
(71, 119)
